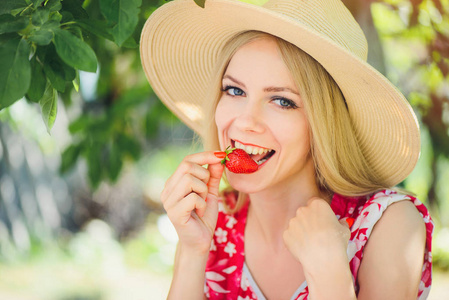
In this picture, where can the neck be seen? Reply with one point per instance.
(271, 210)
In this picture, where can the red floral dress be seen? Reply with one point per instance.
(226, 280)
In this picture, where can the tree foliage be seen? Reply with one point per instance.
(51, 32)
(46, 45)
(416, 34)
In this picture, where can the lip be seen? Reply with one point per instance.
(246, 144)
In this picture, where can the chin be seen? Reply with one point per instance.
(243, 183)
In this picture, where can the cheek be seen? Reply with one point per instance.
(296, 140)
(223, 115)
(222, 121)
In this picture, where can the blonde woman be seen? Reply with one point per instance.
(289, 84)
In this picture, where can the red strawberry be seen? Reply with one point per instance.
(238, 161)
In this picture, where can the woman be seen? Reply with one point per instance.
(287, 83)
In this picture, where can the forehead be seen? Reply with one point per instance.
(260, 60)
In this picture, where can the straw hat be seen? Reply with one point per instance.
(181, 41)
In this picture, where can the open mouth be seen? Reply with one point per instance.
(258, 154)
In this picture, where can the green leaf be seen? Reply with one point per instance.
(66, 97)
(129, 146)
(69, 157)
(55, 73)
(200, 3)
(41, 36)
(37, 3)
(55, 16)
(51, 25)
(75, 8)
(66, 17)
(130, 43)
(124, 14)
(4, 38)
(76, 81)
(9, 5)
(53, 5)
(114, 163)
(80, 124)
(49, 106)
(56, 70)
(97, 27)
(40, 16)
(94, 161)
(15, 71)
(38, 81)
(75, 52)
(9, 23)
(76, 31)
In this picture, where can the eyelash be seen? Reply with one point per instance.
(292, 104)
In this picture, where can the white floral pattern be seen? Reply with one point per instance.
(231, 222)
(230, 249)
(224, 276)
(221, 235)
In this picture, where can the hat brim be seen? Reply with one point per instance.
(180, 43)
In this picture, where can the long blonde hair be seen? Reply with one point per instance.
(339, 162)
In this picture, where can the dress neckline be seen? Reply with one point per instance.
(260, 296)
(246, 271)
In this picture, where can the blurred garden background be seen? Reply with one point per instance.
(86, 146)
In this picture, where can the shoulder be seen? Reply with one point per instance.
(394, 254)
(402, 214)
(392, 210)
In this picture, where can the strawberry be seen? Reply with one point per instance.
(238, 161)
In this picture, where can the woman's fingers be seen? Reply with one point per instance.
(205, 158)
(187, 185)
(192, 164)
(182, 211)
(188, 188)
(216, 171)
(186, 167)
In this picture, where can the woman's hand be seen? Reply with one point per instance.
(316, 238)
(190, 198)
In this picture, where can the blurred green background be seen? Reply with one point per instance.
(80, 216)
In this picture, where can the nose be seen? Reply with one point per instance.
(250, 118)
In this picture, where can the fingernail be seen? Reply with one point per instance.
(350, 221)
(220, 154)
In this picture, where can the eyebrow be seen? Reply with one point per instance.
(267, 89)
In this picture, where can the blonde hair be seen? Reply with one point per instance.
(340, 164)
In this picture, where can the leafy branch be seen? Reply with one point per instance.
(42, 46)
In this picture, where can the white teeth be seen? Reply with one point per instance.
(261, 161)
(251, 149)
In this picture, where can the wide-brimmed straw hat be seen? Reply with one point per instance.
(180, 43)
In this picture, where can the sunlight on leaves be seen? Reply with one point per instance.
(49, 106)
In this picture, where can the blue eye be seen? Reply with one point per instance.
(237, 91)
(285, 103)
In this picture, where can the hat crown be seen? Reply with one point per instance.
(330, 18)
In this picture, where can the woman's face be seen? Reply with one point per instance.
(261, 111)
